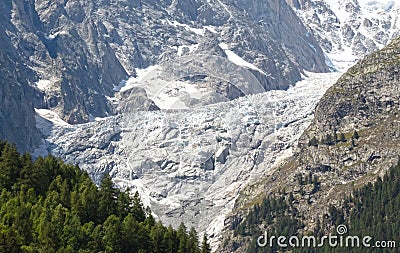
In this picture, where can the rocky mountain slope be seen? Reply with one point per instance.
(347, 30)
(77, 54)
(364, 100)
(186, 101)
(18, 98)
(190, 164)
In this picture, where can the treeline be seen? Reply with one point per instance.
(372, 210)
(49, 206)
(277, 215)
(333, 139)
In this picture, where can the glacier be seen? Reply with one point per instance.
(347, 30)
(190, 164)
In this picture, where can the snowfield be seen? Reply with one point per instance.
(190, 164)
(347, 30)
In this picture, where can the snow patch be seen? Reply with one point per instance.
(198, 31)
(377, 5)
(166, 98)
(236, 59)
(43, 84)
(51, 116)
(125, 85)
(56, 34)
(190, 48)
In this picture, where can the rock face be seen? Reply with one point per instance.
(77, 52)
(364, 100)
(347, 30)
(190, 164)
(17, 121)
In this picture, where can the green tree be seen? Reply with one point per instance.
(205, 247)
(107, 198)
(137, 209)
(170, 240)
(49, 206)
(10, 166)
(130, 229)
(193, 242)
(182, 237)
(112, 234)
(10, 240)
(157, 236)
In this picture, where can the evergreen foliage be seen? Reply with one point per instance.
(49, 206)
(372, 210)
(275, 214)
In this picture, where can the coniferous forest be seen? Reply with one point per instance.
(372, 210)
(49, 206)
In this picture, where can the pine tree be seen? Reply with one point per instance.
(170, 240)
(182, 237)
(123, 204)
(205, 247)
(157, 235)
(107, 198)
(112, 234)
(193, 242)
(10, 166)
(10, 240)
(48, 206)
(137, 209)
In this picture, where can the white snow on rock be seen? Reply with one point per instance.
(43, 84)
(46, 122)
(347, 30)
(125, 85)
(189, 165)
(189, 48)
(51, 117)
(198, 31)
(56, 34)
(236, 59)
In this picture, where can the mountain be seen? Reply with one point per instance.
(187, 101)
(190, 165)
(76, 55)
(363, 106)
(347, 30)
(155, 93)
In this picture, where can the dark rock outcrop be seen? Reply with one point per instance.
(81, 50)
(363, 106)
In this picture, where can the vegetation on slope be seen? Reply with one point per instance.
(49, 206)
(371, 210)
